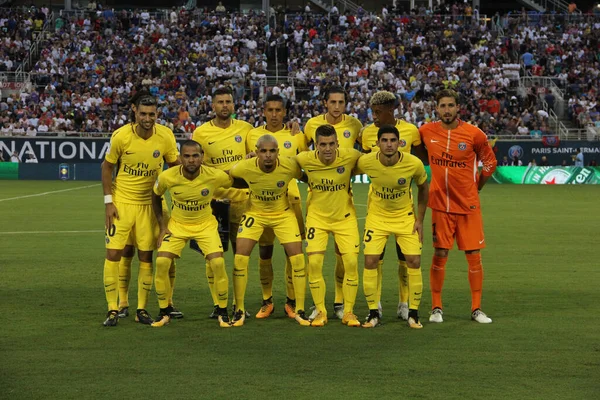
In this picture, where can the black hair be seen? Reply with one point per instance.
(388, 129)
(325, 131)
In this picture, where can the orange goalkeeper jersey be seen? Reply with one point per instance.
(453, 157)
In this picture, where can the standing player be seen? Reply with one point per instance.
(268, 177)
(391, 212)
(223, 140)
(330, 210)
(382, 105)
(192, 187)
(291, 145)
(347, 129)
(138, 150)
(454, 148)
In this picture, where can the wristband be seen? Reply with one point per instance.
(108, 199)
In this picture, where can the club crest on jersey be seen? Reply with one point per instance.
(238, 139)
(401, 181)
(402, 143)
(347, 134)
(280, 184)
(156, 154)
(341, 170)
(287, 144)
(204, 192)
(462, 146)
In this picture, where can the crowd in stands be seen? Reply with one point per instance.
(92, 62)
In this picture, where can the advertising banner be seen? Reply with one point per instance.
(547, 175)
(554, 150)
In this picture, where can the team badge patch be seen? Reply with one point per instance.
(462, 146)
(238, 139)
(402, 143)
(287, 145)
(280, 184)
(204, 192)
(341, 170)
(401, 181)
(347, 134)
(156, 154)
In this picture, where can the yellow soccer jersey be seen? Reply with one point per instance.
(223, 147)
(330, 197)
(139, 161)
(347, 129)
(190, 199)
(268, 191)
(409, 136)
(390, 186)
(289, 146)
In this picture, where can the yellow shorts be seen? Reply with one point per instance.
(284, 226)
(137, 221)
(268, 236)
(378, 229)
(205, 234)
(166, 216)
(345, 234)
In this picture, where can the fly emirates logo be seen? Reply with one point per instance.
(328, 185)
(227, 157)
(140, 169)
(447, 160)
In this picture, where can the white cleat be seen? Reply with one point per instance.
(480, 317)
(338, 311)
(436, 316)
(403, 311)
(314, 313)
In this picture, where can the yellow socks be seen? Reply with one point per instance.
(339, 279)
(379, 281)
(370, 287)
(210, 277)
(289, 281)
(124, 278)
(415, 287)
(350, 281)
(111, 275)
(316, 281)
(265, 269)
(299, 279)
(172, 281)
(221, 281)
(403, 281)
(144, 284)
(240, 280)
(162, 281)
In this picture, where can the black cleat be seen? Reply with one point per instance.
(124, 312)
(175, 313)
(143, 317)
(215, 312)
(112, 318)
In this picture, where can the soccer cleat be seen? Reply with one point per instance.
(290, 308)
(238, 318)
(175, 313)
(223, 319)
(480, 317)
(338, 310)
(267, 309)
(301, 318)
(123, 312)
(414, 323)
(234, 309)
(314, 313)
(143, 317)
(403, 311)
(162, 320)
(436, 315)
(372, 319)
(112, 318)
(320, 320)
(350, 319)
(215, 312)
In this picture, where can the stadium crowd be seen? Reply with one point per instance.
(92, 62)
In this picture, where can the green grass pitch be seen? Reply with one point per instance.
(541, 288)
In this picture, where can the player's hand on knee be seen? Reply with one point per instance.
(111, 215)
(418, 228)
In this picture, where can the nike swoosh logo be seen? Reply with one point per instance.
(434, 141)
(108, 285)
(297, 234)
(252, 183)
(177, 192)
(209, 143)
(481, 241)
(373, 177)
(298, 270)
(356, 245)
(129, 152)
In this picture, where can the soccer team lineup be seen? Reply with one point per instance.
(233, 187)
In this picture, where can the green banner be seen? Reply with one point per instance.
(547, 175)
(9, 170)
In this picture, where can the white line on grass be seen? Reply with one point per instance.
(52, 192)
(47, 232)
